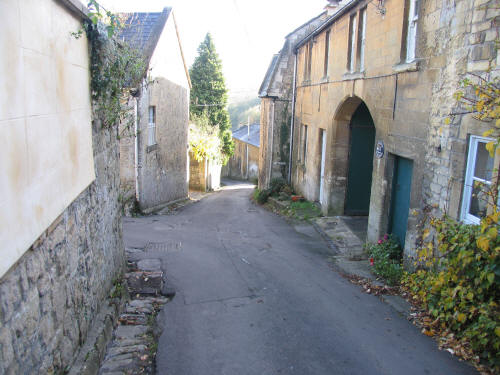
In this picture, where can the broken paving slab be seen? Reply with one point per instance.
(149, 265)
(145, 282)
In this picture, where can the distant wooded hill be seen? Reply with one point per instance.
(241, 111)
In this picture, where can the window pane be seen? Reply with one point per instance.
(479, 200)
(484, 162)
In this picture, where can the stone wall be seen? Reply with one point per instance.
(203, 175)
(51, 295)
(237, 167)
(471, 27)
(163, 174)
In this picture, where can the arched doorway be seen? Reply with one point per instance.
(360, 166)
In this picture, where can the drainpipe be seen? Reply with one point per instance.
(136, 147)
(272, 144)
(248, 140)
(292, 120)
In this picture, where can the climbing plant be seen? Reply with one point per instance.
(204, 141)
(457, 280)
(115, 67)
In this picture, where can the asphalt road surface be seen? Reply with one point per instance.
(255, 295)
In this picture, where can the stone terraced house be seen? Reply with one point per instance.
(153, 157)
(244, 164)
(60, 219)
(373, 85)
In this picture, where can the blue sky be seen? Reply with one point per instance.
(246, 32)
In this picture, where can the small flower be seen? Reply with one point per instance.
(380, 242)
(386, 237)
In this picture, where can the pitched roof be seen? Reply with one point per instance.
(142, 30)
(264, 87)
(253, 139)
(340, 11)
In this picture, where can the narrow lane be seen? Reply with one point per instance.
(254, 296)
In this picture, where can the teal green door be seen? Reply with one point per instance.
(359, 177)
(400, 202)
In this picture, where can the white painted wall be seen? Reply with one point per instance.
(46, 157)
(166, 61)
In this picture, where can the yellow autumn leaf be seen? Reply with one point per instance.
(497, 331)
(470, 296)
(492, 233)
(461, 317)
(489, 132)
(483, 243)
(426, 233)
(447, 121)
(490, 146)
(497, 123)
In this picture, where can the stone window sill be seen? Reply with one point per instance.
(152, 147)
(306, 82)
(406, 67)
(353, 75)
(324, 79)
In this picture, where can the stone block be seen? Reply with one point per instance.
(483, 52)
(482, 26)
(478, 66)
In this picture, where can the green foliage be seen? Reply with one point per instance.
(114, 67)
(458, 282)
(260, 196)
(209, 93)
(204, 140)
(304, 210)
(241, 111)
(387, 259)
(276, 185)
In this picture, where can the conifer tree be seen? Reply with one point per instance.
(209, 93)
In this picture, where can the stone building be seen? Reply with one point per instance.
(276, 93)
(244, 164)
(373, 87)
(154, 160)
(60, 220)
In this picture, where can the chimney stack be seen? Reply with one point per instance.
(332, 6)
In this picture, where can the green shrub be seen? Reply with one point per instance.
(458, 283)
(260, 196)
(276, 185)
(387, 259)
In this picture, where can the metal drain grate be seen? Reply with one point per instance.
(164, 246)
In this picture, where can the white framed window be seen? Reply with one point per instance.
(411, 38)
(152, 126)
(362, 38)
(478, 179)
(352, 44)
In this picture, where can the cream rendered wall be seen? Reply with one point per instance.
(45, 120)
(167, 61)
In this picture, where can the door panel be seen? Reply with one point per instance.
(400, 202)
(359, 177)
